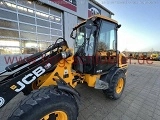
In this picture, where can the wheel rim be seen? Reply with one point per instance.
(57, 115)
(120, 85)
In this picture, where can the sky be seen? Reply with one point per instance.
(140, 20)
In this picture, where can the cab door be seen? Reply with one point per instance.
(106, 52)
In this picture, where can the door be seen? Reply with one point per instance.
(106, 55)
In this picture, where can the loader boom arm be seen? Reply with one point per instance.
(45, 62)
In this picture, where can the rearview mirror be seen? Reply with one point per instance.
(73, 34)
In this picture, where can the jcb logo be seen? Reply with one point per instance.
(28, 79)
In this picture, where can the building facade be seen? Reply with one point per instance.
(27, 27)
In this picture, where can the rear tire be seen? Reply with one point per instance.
(116, 86)
(48, 101)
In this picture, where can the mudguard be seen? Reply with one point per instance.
(109, 76)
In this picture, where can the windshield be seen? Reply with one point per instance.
(85, 39)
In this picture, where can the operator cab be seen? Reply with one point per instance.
(95, 45)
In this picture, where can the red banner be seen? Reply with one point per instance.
(70, 4)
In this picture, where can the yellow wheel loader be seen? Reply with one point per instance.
(49, 78)
(136, 55)
(154, 56)
(143, 56)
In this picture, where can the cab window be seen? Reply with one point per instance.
(107, 36)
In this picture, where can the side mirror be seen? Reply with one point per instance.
(73, 34)
(118, 26)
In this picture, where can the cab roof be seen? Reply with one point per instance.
(99, 16)
(104, 17)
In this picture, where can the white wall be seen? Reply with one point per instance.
(70, 22)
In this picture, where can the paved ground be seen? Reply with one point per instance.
(140, 100)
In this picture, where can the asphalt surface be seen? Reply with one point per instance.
(139, 101)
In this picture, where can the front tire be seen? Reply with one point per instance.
(116, 86)
(48, 103)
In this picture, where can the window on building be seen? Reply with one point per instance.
(55, 12)
(54, 38)
(43, 23)
(9, 50)
(42, 7)
(28, 27)
(56, 26)
(8, 24)
(10, 33)
(55, 19)
(43, 37)
(26, 19)
(43, 30)
(8, 15)
(27, 3)
(43, 45)
(29, 47)
(10, 5)
(9, 46)
(56, 32)
(27, 35)
(42, 15)
(25, 10)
